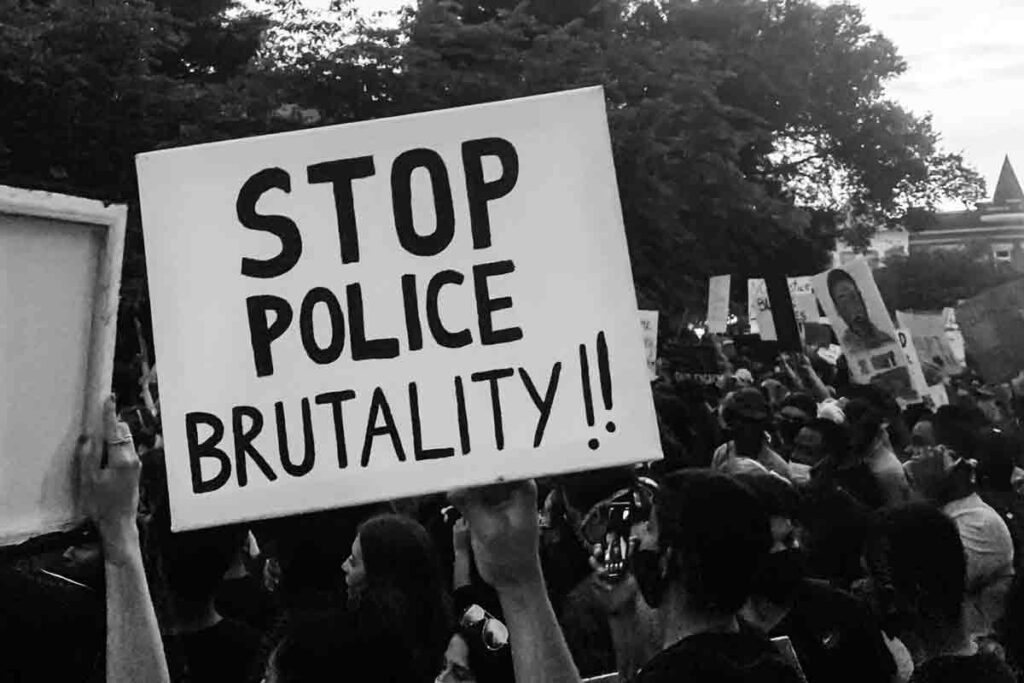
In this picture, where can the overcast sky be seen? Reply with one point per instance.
(965, 66)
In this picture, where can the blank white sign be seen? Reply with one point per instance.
(51, 274)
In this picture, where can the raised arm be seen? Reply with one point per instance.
(110, 495)
(505, 536)
(814, 384)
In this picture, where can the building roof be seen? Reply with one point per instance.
(1005, 211)
(1007, 187)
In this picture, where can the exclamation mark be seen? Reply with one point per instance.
(588, 398)
(605, 373)
(605, 378)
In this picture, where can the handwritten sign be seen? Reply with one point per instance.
(933, 393)
(854, 306)
(759, 308)
(718, 303)
(649, 329)
(928, 331)
(993, 327)
(390, 308)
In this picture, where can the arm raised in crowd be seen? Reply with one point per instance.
(110, 495)
(505, 536)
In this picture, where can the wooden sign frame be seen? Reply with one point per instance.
(110, 219)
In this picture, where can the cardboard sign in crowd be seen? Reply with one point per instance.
(390, 308)
(854, 306)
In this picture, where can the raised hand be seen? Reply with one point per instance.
(109, 482)
(504, 530)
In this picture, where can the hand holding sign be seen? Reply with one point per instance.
(110, 490)
(505, 532)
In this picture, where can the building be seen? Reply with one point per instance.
(995, 228)
(884, 244)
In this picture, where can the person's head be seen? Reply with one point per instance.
(392, 551)
(866, 422)
(997, 454)
(818, 439)
(782, 570)
(918, 573)
(746, 416)
(795, 411)
(191, 564)
(706, 538)
(847, 298)
(923, 433)
(395, 573)
(478, 651)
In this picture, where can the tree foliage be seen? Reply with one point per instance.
(933, 280)
(746, 133)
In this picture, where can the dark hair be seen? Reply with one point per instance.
(834, 437)
(404, 586)
(192, 563)
(838, 275)
(957, 427)
(916, 553)
(865, 421)
(719, 532)
(778, 497)
(802, 402)
(997, 454)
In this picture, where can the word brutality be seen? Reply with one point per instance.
(248, 423)
(242, 443)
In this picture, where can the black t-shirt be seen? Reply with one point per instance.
(835, 637)
(224, 653)
(719, 658)
(979, 668)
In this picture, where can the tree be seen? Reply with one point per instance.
(933, 280)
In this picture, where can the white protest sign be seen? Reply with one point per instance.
(854, 306)
(928, 331)
(61, 262)
(649, 329)
(718, 303)
(759, 310)
(937, 394)
(390, 308)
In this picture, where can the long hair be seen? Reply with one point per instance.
(404, 586)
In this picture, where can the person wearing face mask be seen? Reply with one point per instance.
(833, 635)
(746, 417)
(918, 578)
(695, 562)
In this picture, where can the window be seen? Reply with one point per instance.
(1002, 252)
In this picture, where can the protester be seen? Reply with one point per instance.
(948, 481)
(869, 443)
(746, 417)
(201, 644)
(918, 579)
(394, 571)
(833, 635)
(997, 452)
(696, 563)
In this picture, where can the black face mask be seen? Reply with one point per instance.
(781, 575)
(646, 567)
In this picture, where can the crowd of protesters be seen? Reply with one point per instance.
(799, 528)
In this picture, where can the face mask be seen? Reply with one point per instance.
(646, 567)
(781, 575)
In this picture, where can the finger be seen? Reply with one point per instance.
(88, 455)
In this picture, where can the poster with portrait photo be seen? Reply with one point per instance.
(854, 306)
